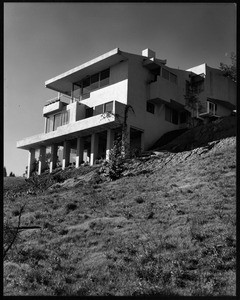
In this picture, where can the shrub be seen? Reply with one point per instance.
(114, 167)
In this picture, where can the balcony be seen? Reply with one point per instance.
(55, 105)
(163, 89)
(83, 127)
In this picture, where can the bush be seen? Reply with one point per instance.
(114, 167)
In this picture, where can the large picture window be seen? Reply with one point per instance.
(54, 121)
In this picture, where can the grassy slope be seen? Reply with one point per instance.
(166, 228)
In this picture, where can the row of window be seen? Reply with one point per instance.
(83, 88)
(99, 109)
(169, 76)
(54, 121)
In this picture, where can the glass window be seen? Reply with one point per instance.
(167, 114)
(49, 126)
(65, 117)
(98, 110)
(76, 91)
(57, 121)
(109, 107)
(86, 85)
(89, 112)
(104, 77)
(173, 78)
(150, 107)
(165, 74)
(94, 81)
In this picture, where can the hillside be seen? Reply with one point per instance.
(167, 227)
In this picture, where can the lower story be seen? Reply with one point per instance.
(80, 149)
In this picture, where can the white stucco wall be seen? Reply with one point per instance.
(117, 91)
(154, 125)
(220, 87)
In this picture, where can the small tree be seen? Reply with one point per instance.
(193, 103)
(230, 71)
(4, 172)
(114, 167)
(11, 174)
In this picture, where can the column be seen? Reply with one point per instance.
(53, 160)
(79, 155)
(110, 139)
(66, 154)
(94, 148)
(31, 158)
(42, 160)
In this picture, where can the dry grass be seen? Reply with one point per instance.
(165, 229)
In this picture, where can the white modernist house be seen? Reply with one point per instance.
(92, 98)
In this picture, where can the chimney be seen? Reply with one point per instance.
(149, 53)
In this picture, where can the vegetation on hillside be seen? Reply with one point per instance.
(166, 227)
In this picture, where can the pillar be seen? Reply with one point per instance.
(31, 158)
(42, 159)
(53, 160)
(94, 148)
(66, 154)
(110, 139)
(79, 155)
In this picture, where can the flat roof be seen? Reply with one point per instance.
(63, 82)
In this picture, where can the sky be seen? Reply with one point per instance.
(43, 40)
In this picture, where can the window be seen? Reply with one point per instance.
(98, 110)
(168, 114)
(108, 107)
(57, 121)
(173, 78)
(54, 121)
(94, 79)
(165, 74)
(65, 117)
(169, 76)
(49, 126)
(104, 77)
(171, 115)
(83, 88)
(150, 107)
(86, 88)
(89, 112)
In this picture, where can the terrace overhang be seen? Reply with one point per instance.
(63, 82)
(80, 128)
(153, 63)
(223, 103)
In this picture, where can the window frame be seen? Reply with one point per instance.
(150, 108)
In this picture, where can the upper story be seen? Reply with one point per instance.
(118, 77)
